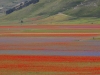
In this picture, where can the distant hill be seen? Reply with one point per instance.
(48, 8)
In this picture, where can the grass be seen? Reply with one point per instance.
(33, 73)
(55, 18)
(62, 30)
(65, 19)
(97, 38)
(82, 20)
(56, 12)
(58, 19)
(46, 8)
(51, 30)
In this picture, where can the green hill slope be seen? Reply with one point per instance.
(48, 8)
(87, 8)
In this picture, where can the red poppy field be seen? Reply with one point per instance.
(47, 65)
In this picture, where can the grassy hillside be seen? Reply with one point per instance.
(87, 8)
(44, 8)
(48, 9)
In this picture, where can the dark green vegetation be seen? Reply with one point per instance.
(7, 4)
(48, 11)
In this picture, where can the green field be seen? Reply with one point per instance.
(62, 31)
(52, 20)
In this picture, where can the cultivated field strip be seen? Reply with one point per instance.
(50, 29)
(50, 50)
(50, 43)
(46, 65)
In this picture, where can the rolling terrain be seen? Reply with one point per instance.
(70, 11)
(57, 37)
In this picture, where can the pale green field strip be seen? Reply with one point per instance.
(50, 30)
(63, 31)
